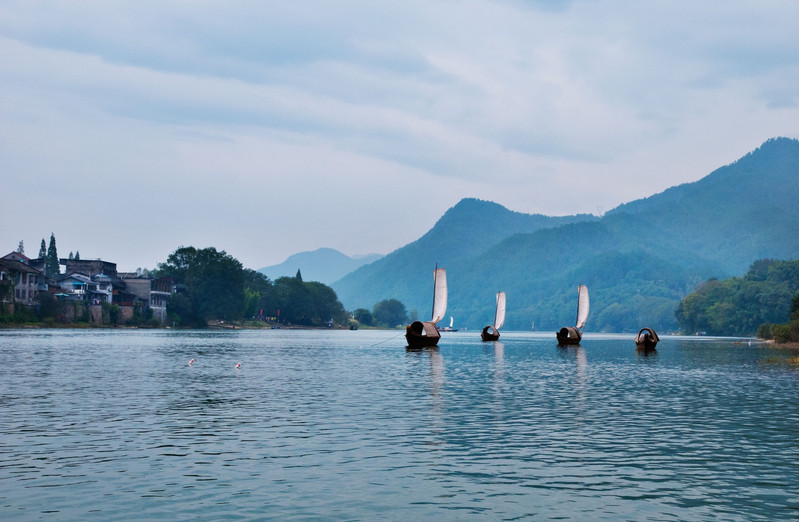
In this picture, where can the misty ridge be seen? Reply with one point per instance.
(639, 259)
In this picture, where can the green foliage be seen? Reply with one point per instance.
(43, 250)
(214, 282)
(363, 316)
(740, 305)
(312, 303)
(180, 309)
(783, 333)
(52, 267)
(639, 260)
(49, 307)
(390, 312)
(218, 287)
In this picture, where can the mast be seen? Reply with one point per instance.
(435, 283)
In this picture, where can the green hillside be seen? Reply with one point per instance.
(466, 230)
(638, 260)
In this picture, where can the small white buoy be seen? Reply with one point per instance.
(238, 365)
(191, 362)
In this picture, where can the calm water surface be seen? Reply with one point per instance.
(351, 426)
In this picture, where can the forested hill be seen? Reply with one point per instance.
(638, 260)
(468, 229)
(748, 210)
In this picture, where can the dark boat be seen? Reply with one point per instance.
(646, 339)
(568, 335)
(491, 332)
(571, 335)
(421, 334)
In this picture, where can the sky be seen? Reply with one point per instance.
(261, 128)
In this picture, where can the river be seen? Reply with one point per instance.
(349, 425)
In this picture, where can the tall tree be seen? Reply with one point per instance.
(21, 247)
(43, 250)
(214, 282)
(52, 268)
(390, 312)
(77, 255)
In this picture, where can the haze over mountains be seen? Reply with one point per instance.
(325, 265)
(638, 260)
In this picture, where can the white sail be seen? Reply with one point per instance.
(499, 318)
(582, 306)
(451, 321)
(440, 294)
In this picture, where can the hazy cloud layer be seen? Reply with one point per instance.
(267, 128)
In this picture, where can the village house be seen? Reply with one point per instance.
(92, 282)
(19, 282)
(154, 290)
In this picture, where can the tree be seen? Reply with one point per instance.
(43, 250)
(52, 268)
(363, 316)
(180, 309)
(298, 277)
(390, 312)
(77, 255)
(21, 247)
(738, 306)
(214, 282)
(71, 256)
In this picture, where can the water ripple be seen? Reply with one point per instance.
(345, 425)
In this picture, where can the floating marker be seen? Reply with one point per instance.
(238, 365)
(191, 362)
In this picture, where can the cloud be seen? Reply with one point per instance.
(323, 123)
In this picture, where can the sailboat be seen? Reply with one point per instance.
(425, 333)
(646, 339)
(450, 328)
(491, 333)
(571, 334)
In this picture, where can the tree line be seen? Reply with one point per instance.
(768, 294)
(214, 285)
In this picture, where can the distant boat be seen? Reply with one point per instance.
(571, 334)
(646, 339)
(491, 332)
(420, 334)
(450, 328)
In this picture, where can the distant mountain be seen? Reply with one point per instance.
(638, 260)
(468, 229)
(325, 265)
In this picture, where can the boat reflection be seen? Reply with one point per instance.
(646, 352)
(436, 379)
(499, 365)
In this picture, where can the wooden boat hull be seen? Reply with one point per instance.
(422, 334)
(568, 335)
(646, 339)
(489, 333)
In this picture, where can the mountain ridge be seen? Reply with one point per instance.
(638, 259)
(325, 265)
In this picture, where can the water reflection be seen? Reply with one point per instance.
(342, 425)
(436, 380)
(646, 352)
